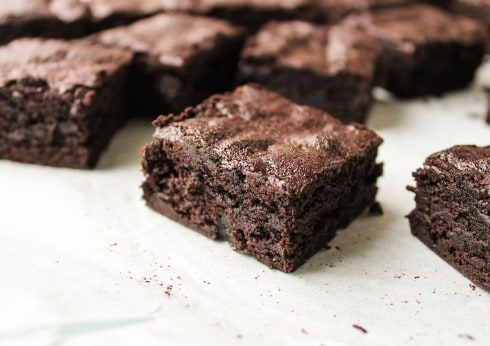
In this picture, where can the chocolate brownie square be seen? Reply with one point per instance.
(425, 50)
(331, 68)
(477, 9)
(41, 18)
(60, 101)
(274, 178)
(181, 59)
(452, 213)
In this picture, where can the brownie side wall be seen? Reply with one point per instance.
(432, 69)
(39, 125)
(43, 27)
(280, 230)
(345, 96)
(452, 217)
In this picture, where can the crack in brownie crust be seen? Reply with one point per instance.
(452, 214)
(276, 179)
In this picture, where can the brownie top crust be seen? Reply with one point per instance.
(174, 39)
(61, 64)
(418, 24)
(462, 158)
(101, 9)
(11, 10)
(325, 50)
(264, 135)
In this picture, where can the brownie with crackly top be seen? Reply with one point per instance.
(60, 101)
(274, 178)
(331, 68)
(426, 51)
(181, 59)
(452, 212)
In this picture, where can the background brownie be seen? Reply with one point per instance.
(60, 101)
(477, 9)
(182, 59)
(452, 213)
(426, 50)
(331, 68)
(42, 18)
(273, 178)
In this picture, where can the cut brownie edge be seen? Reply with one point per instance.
(452, 213)
(422, 230)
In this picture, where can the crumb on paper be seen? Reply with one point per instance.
(304, 331)
(361, 328)
(466, 336)
(472, 286)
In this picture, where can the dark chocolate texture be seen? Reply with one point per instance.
(452, 213)
(60, 101)
(181, 59)
(331, 68)
(276, 179)
(425, 49)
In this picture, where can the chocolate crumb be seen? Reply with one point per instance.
(362, 329)
(473, 287)
(169, 290)
(466, 336)
(304, 331)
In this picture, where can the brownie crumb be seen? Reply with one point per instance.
(361, 328)
(169, 290)
(473, 287)
(304, 331)
(466, 336)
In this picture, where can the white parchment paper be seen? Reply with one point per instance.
(84, 262)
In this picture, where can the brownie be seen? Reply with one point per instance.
(181, 59)
(426, 50)
(255, 13)
(331, 68)
(477, 9)
(274, 178)
(60, 101)
(452, 213)
(41, 18)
